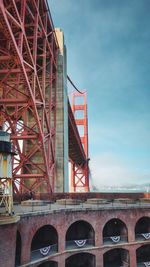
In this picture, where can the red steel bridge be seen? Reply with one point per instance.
(29, 76)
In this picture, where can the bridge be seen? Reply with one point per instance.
(64, 225)
(34, 105)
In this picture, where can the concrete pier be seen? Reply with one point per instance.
(61, 181)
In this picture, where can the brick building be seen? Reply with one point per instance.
(92, 233)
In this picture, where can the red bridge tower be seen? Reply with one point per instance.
(80, 172)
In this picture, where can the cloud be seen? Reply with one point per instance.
(108, 169)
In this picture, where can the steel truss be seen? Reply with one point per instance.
(28, 55)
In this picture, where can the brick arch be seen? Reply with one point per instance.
(82, 221)
(114, 231)
(115, 218)
(112, 255)
(142, 245)
(121, 216)
(80, 218)
(36, 227)
(88, 258)
(40, 228)
(46, 263)
(141, 217)
(146, 257)
(121, 246)
(80, 230)
(70, 253)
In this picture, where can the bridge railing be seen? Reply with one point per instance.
(78, 244)
(44, 251)
(115, 239)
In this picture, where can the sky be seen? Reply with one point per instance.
(108, 55)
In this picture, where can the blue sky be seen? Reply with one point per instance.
(108, 47)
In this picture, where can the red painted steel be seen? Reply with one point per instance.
(28, 53)
(80, 170)
(28, 68)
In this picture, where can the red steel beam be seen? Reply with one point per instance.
(28, 65)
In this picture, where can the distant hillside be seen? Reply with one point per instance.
(145, 187)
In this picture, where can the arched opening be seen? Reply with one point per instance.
(80, 234)
(142, 229)
(81, 260)
(115, 231)
(44, 242)
(143, 256)
(18, 249)
(49, 264)
(116, 258)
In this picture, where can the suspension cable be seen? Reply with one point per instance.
(74, 85)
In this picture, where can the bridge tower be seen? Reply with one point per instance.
(80, 172)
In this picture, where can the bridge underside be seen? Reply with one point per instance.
(76, 151)
(28, 91)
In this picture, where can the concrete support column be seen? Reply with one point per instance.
(61, 179)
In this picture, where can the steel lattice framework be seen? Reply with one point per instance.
(28, 87)
(28, 53)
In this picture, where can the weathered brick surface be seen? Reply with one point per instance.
(61, 220)
(7, 245)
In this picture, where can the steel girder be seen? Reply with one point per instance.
(28, 55)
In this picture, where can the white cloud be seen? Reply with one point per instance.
(107, 169)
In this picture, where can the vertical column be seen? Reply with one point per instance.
(99, 259)
(61, 261)
(98, 235)
(131, 233)
(132, 252)
(61, 239)
(26, 249)
(61, 179)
